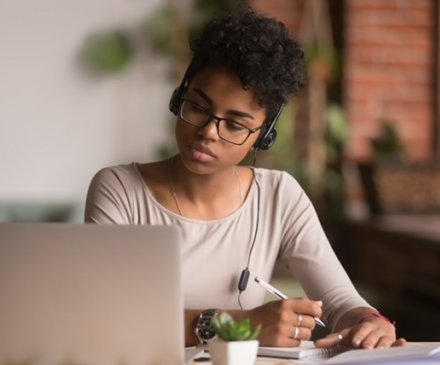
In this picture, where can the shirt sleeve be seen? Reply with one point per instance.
(107, 199)
(310, 258)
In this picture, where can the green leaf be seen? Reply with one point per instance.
(255, 333)
(107, 52)
(159, 28)
(230, 330)
(215, 324)
(226, 318)
(337, 124)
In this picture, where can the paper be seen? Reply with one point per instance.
(192, 352)
(410, 354)
(428, 353)
(306, 350)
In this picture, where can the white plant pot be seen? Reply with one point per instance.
(233, 352)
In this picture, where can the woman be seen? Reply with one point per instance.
(234, 219)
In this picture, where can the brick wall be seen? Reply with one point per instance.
(389, 72)
(287, 11)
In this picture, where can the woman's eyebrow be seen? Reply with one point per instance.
(231, 112)
(240, 114)
(204, 96)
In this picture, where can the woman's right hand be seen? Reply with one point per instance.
(279, 320)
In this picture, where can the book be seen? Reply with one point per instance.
(307, 353)
(307, 350)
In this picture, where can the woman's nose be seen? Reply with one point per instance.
(210, 130)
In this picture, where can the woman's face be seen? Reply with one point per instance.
(219, 92)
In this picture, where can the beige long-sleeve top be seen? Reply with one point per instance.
(215, 252)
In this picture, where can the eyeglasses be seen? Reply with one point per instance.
(227, 129)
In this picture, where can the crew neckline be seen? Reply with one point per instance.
(245, 203)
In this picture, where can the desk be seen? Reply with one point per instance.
(400, 357)
(399, 258)
(405, 250)
(259, 361)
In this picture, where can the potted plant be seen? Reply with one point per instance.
(237, 342)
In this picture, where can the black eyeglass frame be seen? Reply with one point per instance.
(218, 120)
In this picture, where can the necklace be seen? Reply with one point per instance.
(172, 187)
(174, 191)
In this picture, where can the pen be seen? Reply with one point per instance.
(280, 295)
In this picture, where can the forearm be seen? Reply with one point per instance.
(191, 316)
(276, 318)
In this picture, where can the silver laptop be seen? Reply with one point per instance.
(90, 294)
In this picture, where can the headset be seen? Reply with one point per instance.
(268, 133)
(176, 97)
(265, 141)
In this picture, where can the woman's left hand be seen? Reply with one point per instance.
(373, 332)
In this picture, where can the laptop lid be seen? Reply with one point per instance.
(90, 294)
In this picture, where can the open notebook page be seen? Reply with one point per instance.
(306, 350)
(416, 353)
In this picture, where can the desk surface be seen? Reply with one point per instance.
(417, 229)
(277, 361)
(424, 225)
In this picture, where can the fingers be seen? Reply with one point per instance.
(386, 341)
(304, 309)
(304, 306)
(295, 336)
(369, 335)
(301, 333)
(376, 339)
(300, 319)
(399, 342)
(282, 336)
(365, 335)
(304, 320)
(295, 332)
(334, 339)
(294, 312)
(286, 323)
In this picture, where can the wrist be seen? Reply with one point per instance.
(204, 329)
(376, 315)
(191, 318)
(238, 315)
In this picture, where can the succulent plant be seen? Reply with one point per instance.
(229, 330)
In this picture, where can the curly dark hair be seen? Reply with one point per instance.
(258, 49)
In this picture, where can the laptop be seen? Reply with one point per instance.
(90, 294)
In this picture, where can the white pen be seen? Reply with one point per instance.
(280, 295)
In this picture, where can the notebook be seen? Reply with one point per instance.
(90, 294)
(415, 353)
(307, 350)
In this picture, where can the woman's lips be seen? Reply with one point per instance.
(201, 153)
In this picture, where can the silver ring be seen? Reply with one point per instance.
(300, 320)
(295, 336)
(340, 337)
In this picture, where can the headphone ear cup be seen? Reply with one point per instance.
(175, 101)
(268, 133)
(268, 140)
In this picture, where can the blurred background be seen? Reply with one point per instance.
(86, 84)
